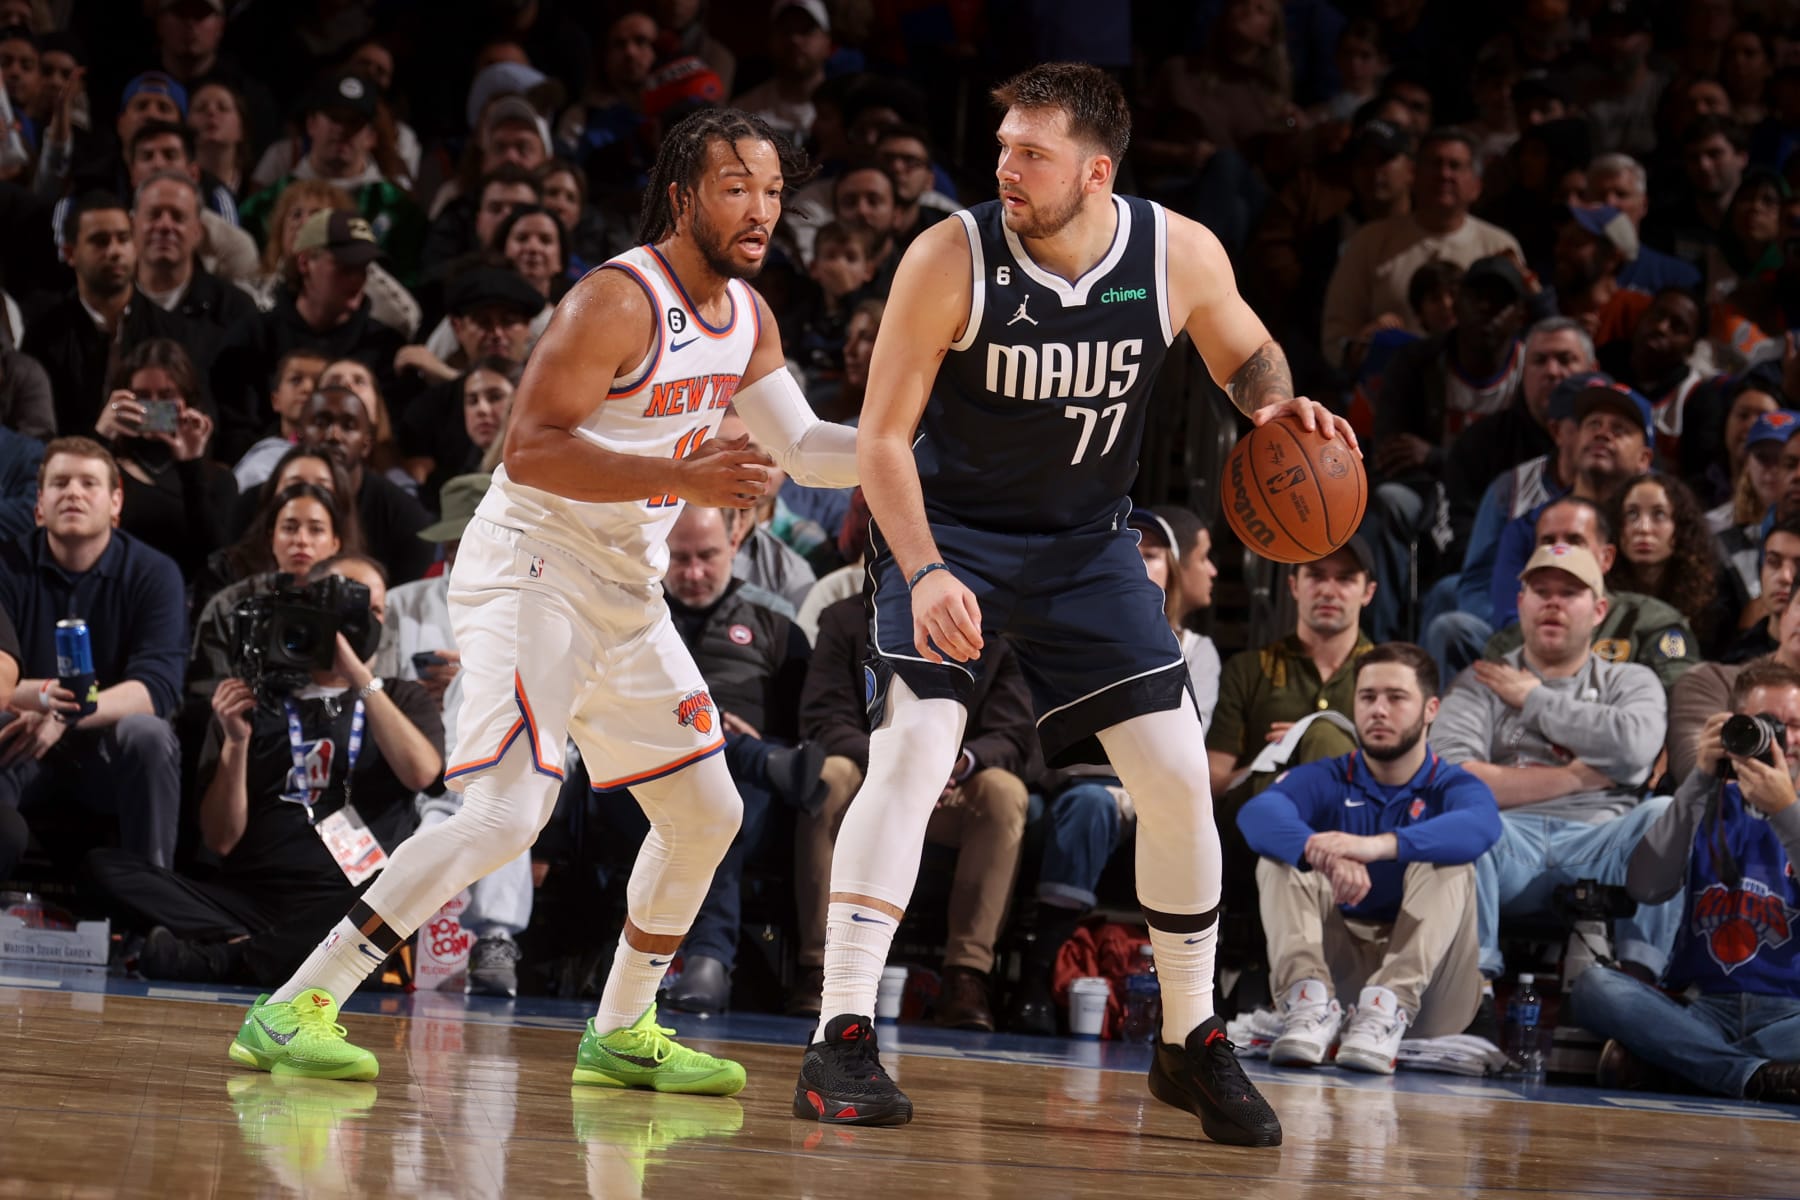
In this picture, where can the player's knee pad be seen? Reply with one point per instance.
(507, 807)
(698, 809)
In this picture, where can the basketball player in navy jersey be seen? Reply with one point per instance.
(997, 444)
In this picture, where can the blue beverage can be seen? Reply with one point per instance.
(75, 663)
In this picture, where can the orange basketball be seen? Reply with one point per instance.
(1292, 495)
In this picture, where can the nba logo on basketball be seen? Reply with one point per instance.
(696, 709)
(1737, 923)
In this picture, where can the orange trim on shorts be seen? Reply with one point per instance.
(527, 724)
(668, 768)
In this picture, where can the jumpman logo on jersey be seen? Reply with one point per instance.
(1022, 315)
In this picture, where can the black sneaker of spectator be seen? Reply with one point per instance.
(166, 956)
(493, 967)
(842, 1081)
(1204, 1077)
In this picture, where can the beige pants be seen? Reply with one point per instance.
(984, 817)
(1429, 957)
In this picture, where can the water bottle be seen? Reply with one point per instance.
(1522, 1016)
(1143, 1000)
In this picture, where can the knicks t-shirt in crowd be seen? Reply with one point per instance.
(1441, 815)
(1742, 901)
(280, 846)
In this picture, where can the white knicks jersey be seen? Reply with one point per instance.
(664, 408)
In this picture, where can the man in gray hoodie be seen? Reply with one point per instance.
(1565, 739)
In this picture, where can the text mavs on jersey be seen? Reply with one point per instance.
(1057, 370)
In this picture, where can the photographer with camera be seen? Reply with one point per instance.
(309, 775)
(1732, 836)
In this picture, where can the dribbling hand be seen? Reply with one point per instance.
(725, 473)
(945, 612)
(1312, 414)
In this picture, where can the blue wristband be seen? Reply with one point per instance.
(922, 572)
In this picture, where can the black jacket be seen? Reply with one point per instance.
(75, 353)
(753, 658)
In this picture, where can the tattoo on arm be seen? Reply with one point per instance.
(1263, 379)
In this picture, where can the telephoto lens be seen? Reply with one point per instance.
(1751, 737)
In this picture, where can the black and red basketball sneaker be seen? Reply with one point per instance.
(841, 1080)
(1204, 1077)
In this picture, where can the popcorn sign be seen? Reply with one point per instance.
(443, 948)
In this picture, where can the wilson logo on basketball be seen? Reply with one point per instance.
(1240, 504)
(696, 709)
(1737, 924)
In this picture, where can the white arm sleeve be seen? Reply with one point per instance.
(814, 453)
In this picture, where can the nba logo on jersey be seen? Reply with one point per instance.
(696, 709)
(537, 567)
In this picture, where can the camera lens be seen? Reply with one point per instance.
(1745, 737)
(298, 640)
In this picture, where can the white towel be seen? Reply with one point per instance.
(1459, 1054)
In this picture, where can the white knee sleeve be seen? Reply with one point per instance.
(1161, 760)
(693, 814)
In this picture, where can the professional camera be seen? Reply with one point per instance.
(283, 635)
(1753, 737)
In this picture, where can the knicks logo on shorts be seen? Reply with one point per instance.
(696, 709)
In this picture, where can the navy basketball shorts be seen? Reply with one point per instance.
(1077, 608)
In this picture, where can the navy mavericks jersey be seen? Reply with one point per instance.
(1034, 423)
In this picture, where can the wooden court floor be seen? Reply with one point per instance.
(105, 1095)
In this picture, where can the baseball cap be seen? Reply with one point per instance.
(684, 81)
(812, 8)
(500, 79)
(1358, 549)
(346, 93)
(1616, 397)
(1578, 561)
(1562, 396)
(1499, 270)
(1381, 140)
(1777, 426)
(158, 83)
(519, 110)
(483, 287)
(347, 235)
(1605, 221)
(457, 501)
(1155, 531)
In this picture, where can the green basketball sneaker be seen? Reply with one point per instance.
(301, 1037)
(646, 1056)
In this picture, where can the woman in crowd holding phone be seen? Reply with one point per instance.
(176, 499)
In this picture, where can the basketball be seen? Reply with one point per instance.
(1291, 494)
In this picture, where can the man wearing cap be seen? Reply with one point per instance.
(321, 306)
(1740, 533)
(1371, 277)
(509, 132)
(417, 643)
(491, 311)
(152, 96)
(341, 143)
(188, 37)
(1594, 245)
(1264, 692)
(1614, 436)
(1565, 739)
(1637, 628)
(799, 44)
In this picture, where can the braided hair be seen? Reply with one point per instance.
(683, 156)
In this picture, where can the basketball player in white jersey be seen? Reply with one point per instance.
(557, 605)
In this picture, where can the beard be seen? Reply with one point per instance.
(1046, 221)
(1403, 744)
(715, 249)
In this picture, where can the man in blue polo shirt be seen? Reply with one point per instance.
(122, 758)
(1367, 878)
(1733, 844)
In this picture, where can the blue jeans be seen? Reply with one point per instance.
(1716, 1043)
(1535, 855)
(1083, 831)
(1455, 640)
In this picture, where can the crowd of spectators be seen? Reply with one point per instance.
(273, 270)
